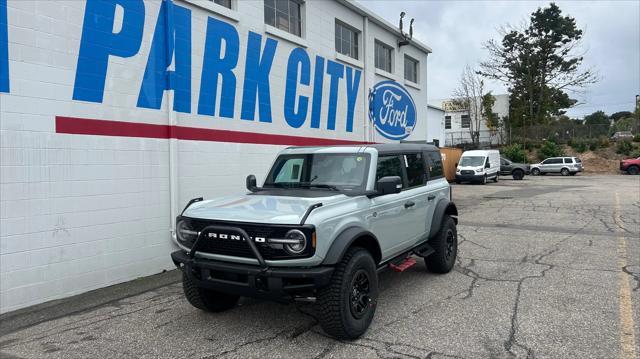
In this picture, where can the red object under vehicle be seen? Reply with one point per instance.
(631, 166)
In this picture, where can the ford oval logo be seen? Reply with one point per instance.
(392, 110)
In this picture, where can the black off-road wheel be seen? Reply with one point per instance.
(633, 170)
(518, 175)
(347, 305)
(445, 244)
(207, 299)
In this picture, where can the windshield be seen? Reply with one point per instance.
(472, 161)
(330, 171)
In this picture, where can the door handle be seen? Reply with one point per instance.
(431, 197)
(409, 204)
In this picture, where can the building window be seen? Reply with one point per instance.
(447, 122)
(383, 55)
(466, 121)
(410, 69)
(284, 15)
(225, 3)
(346, 40)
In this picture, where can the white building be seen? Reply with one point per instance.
(459, 122)
(113, 114)
(435, 125)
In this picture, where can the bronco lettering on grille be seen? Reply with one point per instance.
(234, 237)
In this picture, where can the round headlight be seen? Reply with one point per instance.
(300, 245)
(186, 235)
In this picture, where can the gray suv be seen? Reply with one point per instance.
(322, 225)
(564, 165)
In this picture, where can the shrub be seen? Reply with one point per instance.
(603, 142)
(594, 144)
(549, 149)
(578, 145)
(636, 138)
(624, 147)
(514, 152)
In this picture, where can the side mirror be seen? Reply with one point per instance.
(487, 165)
(456, 164)
(389, 185)
(251, 183)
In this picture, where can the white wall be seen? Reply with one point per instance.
(435, 125)
(82, 211)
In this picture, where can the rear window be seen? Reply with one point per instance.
(578, 160)
(416, 174)
(435, 164)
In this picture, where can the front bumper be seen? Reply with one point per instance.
(469, 178)
(272, 283)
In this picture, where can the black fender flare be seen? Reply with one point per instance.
(346, 238)
(444, 207)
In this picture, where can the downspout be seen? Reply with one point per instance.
(365, 100)
(172, 121)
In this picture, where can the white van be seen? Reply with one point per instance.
(478, 166)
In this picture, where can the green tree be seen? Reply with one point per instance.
(493, 122)
(539, 62)
(598, 123)
(620, 115)
(626, 124)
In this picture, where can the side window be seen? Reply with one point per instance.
(290, 171)
(388, 166)
(555, 161)
(435, 165)
(568, 160)
(416, 175)
(546, 162)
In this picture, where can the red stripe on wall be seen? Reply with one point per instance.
(85, 126)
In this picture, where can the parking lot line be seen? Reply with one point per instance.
(627, 334)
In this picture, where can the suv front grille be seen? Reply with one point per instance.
(467, 172)
(239, 248)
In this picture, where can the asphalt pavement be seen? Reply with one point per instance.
(548, 267)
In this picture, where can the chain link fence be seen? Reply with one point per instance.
(559, 133)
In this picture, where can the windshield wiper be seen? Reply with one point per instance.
(319, 185)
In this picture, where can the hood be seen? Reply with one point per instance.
(258, 208)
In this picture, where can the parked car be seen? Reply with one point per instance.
(322, 225)
(516, 170)
(478, 166)
(564, 165)
(631, 166)
(622, 136)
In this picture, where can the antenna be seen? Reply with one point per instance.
(405, 37)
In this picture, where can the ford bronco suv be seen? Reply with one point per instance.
(322, 225)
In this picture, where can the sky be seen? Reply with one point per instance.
(456, 31)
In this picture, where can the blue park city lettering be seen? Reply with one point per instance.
(98, 42)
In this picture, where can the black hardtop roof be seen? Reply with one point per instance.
(384, 148)
(403, 147)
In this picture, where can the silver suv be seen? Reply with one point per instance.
(322, 225)
(564, 165)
